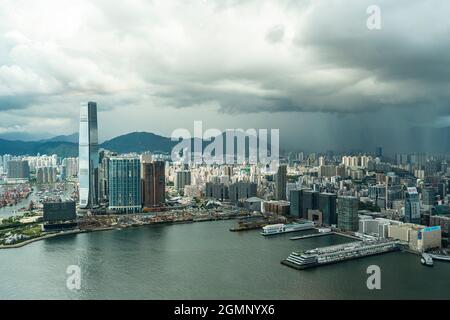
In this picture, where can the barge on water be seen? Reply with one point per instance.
(342, 252)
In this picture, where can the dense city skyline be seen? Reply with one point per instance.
(163, 65)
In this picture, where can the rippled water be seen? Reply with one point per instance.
(204, 261)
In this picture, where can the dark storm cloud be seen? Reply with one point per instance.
(230, 57)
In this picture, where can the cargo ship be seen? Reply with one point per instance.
(279, 228)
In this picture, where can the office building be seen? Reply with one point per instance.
(428, 196)
(153, 184)
(295, 200)
(347, 213)
(59, 216)
(88, 155)
(59, 211)
(412, 206)
(124, 184)
(280, 188)
(326, 203)
(309, 201)
(418, 237)
(303, 200)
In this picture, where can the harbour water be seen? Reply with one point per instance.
(205, 261)
(14, 210)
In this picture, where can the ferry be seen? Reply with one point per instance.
(279, 228)
(426, 260)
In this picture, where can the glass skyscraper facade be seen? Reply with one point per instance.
(412, 206)
(327, 205)
(348, 213)
(124, 184)
(88, 155)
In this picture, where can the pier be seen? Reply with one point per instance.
(321, 234)
(313, 235)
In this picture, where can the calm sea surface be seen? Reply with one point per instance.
(205, 261)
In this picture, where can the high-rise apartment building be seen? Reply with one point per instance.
(218, 191)
(183, 178)
(241, 190)
(88, 155)
(46, 175)
(18, 170)
(70, 167)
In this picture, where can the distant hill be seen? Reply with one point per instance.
(64, 138)
(67, 146)
(17, 147)
(22, 136)
(139, 142)
(418, 140)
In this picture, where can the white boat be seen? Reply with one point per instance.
(426, 260)
(284, 228)
(440, 257)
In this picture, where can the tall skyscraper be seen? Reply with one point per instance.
(153, 184)
(379, 152)
(348, 213)
(88, 155)
(280, 189)
(327, 205)
(296, 205)
(309, 201)
(124, 184)
(412, 205)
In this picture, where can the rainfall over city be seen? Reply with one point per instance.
(224, 158)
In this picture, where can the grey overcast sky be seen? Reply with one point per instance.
(310, 68)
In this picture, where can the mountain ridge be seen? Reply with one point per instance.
(65, 146)
(140, 141)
